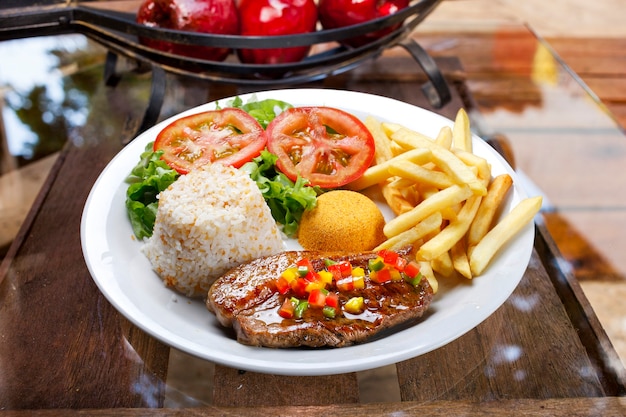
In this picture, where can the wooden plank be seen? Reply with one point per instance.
(618, 111)
(70, 325)
(609, 90)
(509, 50)
(518, 352)
(64, 345)
(592, 56)
(233, 388)
(599, 348)
(574, 246)
(597, 66)
(556, 407)
(498, 67)
(398, 66)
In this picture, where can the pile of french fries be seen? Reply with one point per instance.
(444, 197)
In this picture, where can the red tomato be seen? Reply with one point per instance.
(229, 136)
(273, 18)
(339, 13)
(327, 146)
(203, 16)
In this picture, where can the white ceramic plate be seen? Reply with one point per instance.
(125, 277)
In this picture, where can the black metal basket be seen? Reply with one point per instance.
(120, 34)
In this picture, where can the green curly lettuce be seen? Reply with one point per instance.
(264, 111)
(147, 179)
(287, 200)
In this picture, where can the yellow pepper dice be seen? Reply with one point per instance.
(358, 278)
(358, 272)
(355, 305)
(290, 274)
(317, 285)
(359, 282)
(326, 277)
(395, 275)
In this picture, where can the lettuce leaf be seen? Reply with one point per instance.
(147, 179)
(264, 111)
(287, 200)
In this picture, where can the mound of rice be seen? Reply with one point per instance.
(209, 221)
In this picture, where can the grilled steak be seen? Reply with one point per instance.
(247, 299)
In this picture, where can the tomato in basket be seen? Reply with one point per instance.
(276, 18)
(203, 16)
(327, 146)
(339, 13)
(229, 136)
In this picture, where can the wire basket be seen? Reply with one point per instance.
(121, 35)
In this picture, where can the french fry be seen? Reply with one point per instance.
(442, 264)
(456, 169)
(435, 203)
(397, 149)
(444, 198)
(396, 200)
(426, 190)
(429, 225)
(427, 272)
(452, 233)
(381, 140)
(409, 139)
(401, 183)
(482, 166)
(444, 158)
(417, 173)
(461, 133)
(460, 261)
(488, 207)
(450, 213)
(379, 173)
(444, 138)
(502, 232)
(406, 188)
(391, 128)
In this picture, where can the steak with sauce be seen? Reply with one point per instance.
(246, 299)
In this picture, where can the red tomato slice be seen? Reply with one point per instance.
(327, 146)
(229, 136)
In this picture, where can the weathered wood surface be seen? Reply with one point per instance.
(556, 407)
(65, 347)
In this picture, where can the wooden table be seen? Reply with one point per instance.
(64, 347)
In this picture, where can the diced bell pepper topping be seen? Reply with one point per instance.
(300, 308)
(329, 312)
(311, 288)
(317, 298)
(287, 310)
(355, 305)
(376, 264)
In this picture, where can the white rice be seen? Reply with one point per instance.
(209, 221)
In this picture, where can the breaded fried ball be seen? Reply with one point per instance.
(342, 221)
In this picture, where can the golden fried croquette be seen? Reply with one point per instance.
(342, 221)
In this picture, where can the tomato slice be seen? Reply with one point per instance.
(229, 136)
(327, 146)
